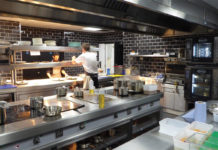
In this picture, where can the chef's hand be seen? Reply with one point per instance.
(100, 70)
(74, 60)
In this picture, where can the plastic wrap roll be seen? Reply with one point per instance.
(200, 111)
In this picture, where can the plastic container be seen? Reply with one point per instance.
(215, 114)
(150, 88)
(206, 144)
(180, 140)
(200, 127)
(172, 127)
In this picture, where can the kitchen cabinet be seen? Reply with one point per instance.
(174, 97)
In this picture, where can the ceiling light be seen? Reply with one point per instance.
(91, 29)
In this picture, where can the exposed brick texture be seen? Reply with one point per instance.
(148, 44)
(10, 31)
(73, 36)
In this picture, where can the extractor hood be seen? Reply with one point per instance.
(144, 16)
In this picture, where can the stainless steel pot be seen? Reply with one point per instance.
(116, 87)
(61, 91)
(123, 91)
(78, 92)
(51, 111)
(3, 115)
(120, 83)
(135, 86)
(36, 102)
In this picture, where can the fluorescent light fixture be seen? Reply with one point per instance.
(91, 29)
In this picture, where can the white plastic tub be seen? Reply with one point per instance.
(150, 88)
(180, 140)
(200, 127)
(172, 127)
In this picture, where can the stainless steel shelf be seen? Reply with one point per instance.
(6, 67)
(37, 65)
(149, 56)
(44, 48)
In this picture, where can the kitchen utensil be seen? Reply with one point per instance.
(86, 82)
(37, 41)
(50, 43)
(135, 86)
(51, 111)
(211, 105)
(215, 114)
(36, 102)
(61, 91)
(78, 92)
(27, 43)
(123, 91)
(116, 87)
(3, 116)
(149, 88)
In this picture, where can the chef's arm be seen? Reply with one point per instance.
(74, 61)
(49, 75)
(64, 73)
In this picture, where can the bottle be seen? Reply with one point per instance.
(101, 99)
(91, 87)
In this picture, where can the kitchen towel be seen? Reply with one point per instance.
(200, 111)
(189, 117)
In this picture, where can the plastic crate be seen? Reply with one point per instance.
(172, 127)
(201, 127)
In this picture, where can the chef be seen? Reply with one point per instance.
(56, 72)
(89, 61)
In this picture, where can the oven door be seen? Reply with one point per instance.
(203, 50)
(201, 84)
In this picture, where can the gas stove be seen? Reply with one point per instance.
(23, 111)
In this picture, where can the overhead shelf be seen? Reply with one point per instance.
(38, 65)
(44, 48)
(158, 56)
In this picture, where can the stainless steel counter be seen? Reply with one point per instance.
(16, 133)
(153, 140)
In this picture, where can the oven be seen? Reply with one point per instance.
(203, 49)
(201, 83)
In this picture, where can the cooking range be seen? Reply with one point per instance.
(23, 111)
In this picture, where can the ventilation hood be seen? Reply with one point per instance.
(159, 17)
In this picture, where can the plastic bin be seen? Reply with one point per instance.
(172, 127)
(180, 140)
(150, 88)
(200, 127)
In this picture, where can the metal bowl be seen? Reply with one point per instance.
(212, 105)
(51, 111)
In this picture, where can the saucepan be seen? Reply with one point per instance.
(51, 111)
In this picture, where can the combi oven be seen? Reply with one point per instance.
(201, 83)
(202, 49)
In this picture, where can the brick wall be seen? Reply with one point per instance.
(51, 34)
(10, 31)
(148, 44)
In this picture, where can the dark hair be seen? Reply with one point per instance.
(86, 46)
(55, 53)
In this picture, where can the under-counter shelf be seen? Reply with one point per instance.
(38, 65)
(44, 48)
(148, 56)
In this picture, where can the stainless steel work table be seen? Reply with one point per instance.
(153, 140)
(14, 133)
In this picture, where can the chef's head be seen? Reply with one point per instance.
(85, 47)
(55, 57)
